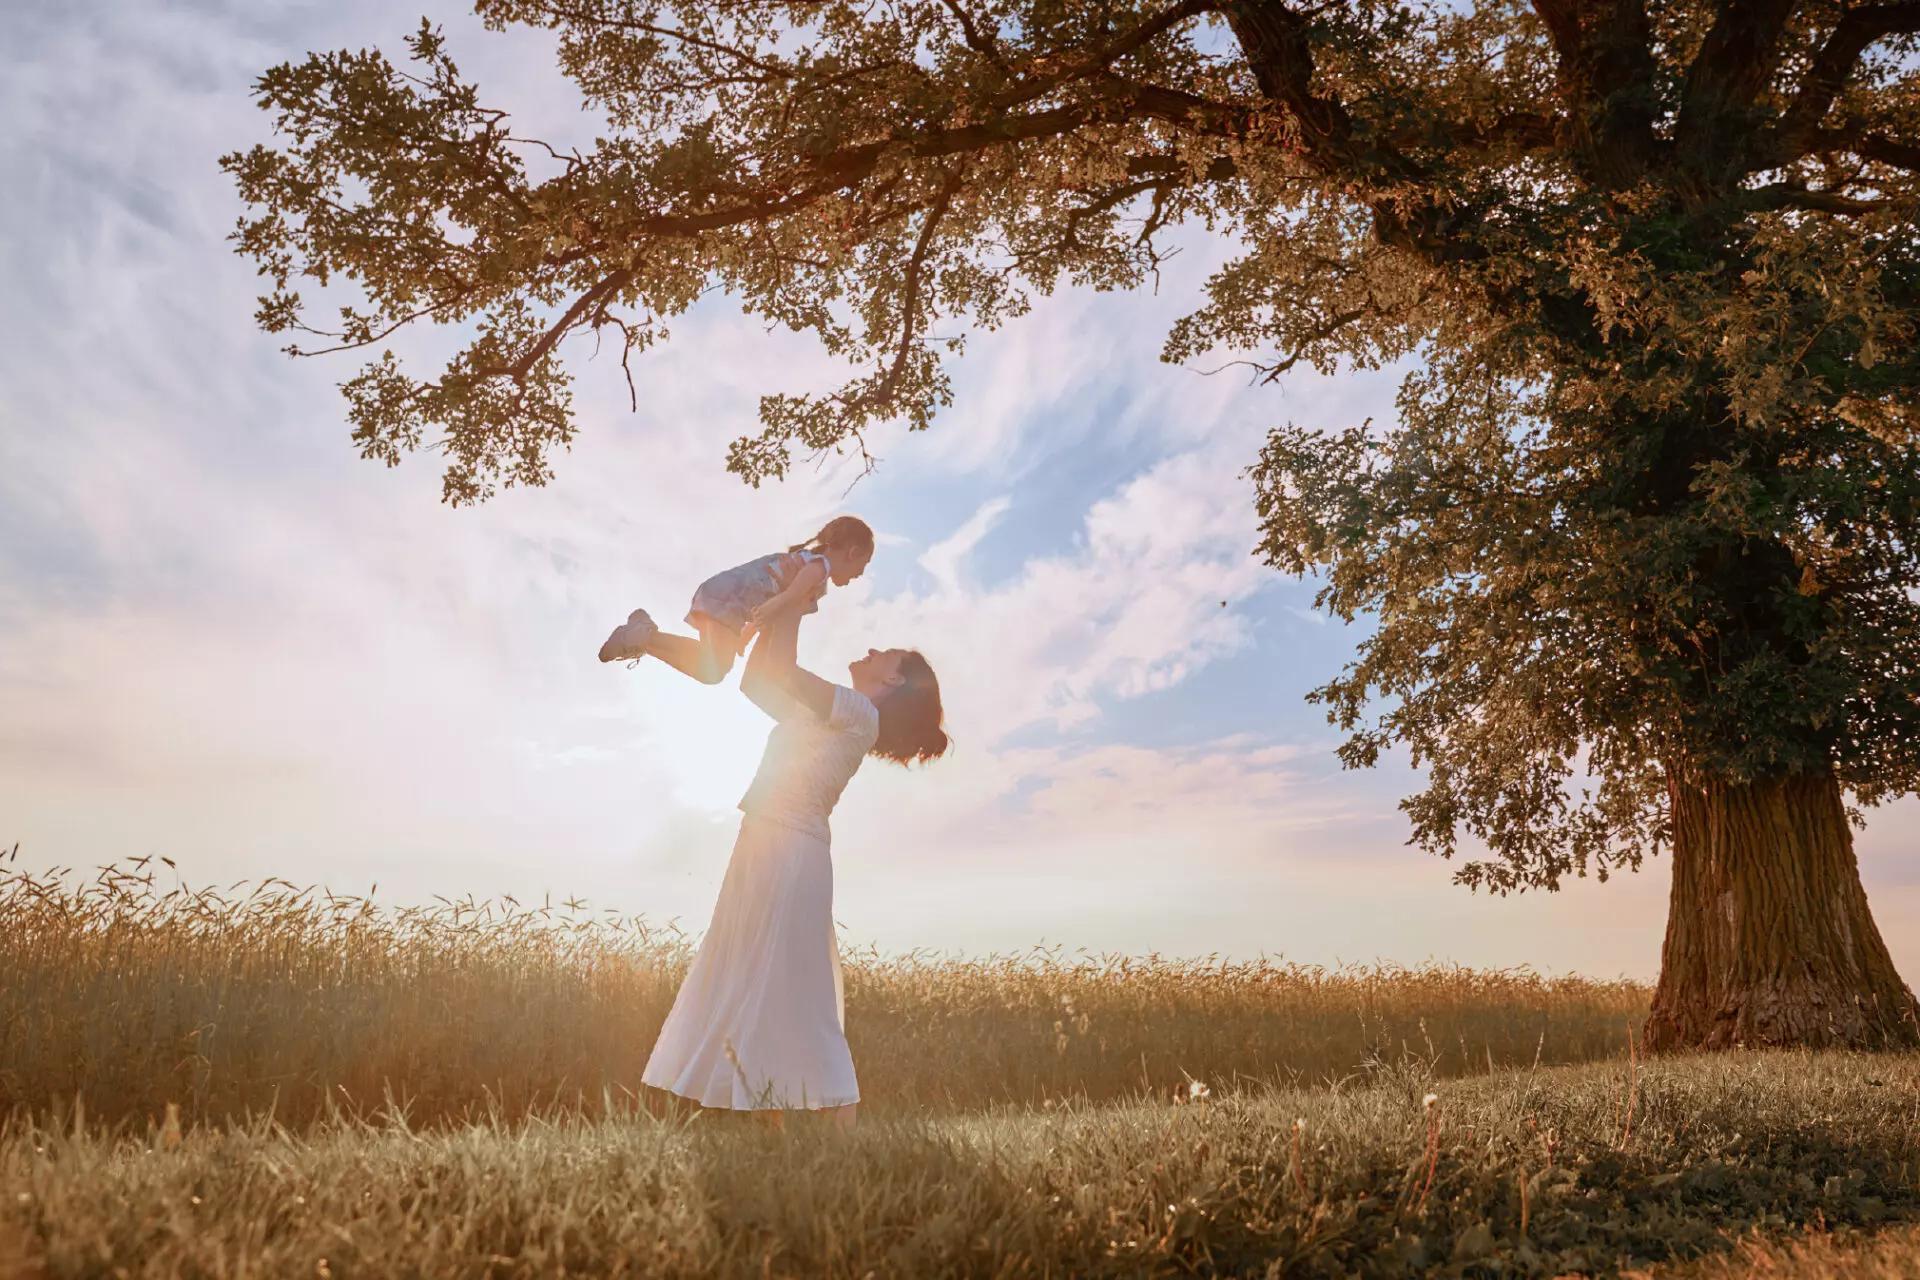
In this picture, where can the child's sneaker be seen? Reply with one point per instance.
(630, 638)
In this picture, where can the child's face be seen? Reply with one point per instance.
(844, 565)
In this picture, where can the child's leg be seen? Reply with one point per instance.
(707, 659)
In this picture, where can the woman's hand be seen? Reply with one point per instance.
(805, 585)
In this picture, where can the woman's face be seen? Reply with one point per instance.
(878, 673)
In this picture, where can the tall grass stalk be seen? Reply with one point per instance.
(270, 997)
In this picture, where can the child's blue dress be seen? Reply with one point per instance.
(729, 597)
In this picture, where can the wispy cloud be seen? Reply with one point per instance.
(945, 559)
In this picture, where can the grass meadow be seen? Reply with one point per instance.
(266, 1080)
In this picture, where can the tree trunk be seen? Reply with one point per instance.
(1769, 939)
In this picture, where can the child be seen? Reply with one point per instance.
(730, 607)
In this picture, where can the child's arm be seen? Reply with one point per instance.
(805, 582)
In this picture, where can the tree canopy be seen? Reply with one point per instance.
(1649, 506)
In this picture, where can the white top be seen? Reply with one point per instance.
(807, 763)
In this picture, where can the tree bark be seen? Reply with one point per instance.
(1769, 939)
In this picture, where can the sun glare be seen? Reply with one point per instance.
(708, 747)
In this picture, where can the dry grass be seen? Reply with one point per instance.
(266, 996)
(1515, 1174)
(1815, 1255)
(446, 1092)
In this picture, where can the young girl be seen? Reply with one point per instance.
(730, 607)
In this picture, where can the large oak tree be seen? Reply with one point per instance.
(1641, 543)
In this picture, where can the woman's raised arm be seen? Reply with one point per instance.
(774, 680)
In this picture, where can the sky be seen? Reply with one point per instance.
(226, 639)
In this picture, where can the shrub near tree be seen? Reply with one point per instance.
(1640, 542)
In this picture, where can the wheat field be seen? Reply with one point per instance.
(269, 998)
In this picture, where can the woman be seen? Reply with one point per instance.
(758, 1024)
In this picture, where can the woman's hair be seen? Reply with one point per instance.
(910, 716)
(842, 533)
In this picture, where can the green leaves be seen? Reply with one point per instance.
(1651, 500)
(862, 175)
(1673, 539)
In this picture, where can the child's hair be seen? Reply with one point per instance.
(842, 533)
(910, 716)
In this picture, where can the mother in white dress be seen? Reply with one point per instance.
(758, 1024)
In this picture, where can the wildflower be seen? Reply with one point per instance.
(1197, 1091)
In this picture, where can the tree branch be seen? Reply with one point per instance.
(1110, 199)
(1877, 147)
(1736, 60)
(910, 286)
(1530, 129)
(379, 335)
(1837, 59)
(775, 69)
(1562, 21)
(1886, 150)
(1103, 56)
(1786, 195)
(1334, 324)
(628, 340)
(850, 166)
(1605, 67)
(981, 42)
(1274, 39)
(593, 298)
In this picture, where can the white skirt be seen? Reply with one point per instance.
(759, 1022)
